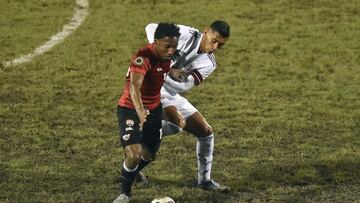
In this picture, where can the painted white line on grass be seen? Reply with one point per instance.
(81, 12)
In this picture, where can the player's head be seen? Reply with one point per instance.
(166, 40)
(215, 36)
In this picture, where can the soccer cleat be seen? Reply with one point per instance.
(142, 179)
(214, 186)
(122, 198)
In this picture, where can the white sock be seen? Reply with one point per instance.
(204, 153)
(128, 169)
(169, 128)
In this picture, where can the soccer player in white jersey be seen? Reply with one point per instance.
(195, 56)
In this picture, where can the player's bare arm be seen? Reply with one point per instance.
(136, 80)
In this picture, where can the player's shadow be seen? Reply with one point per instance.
(265, 175)
(305, 173)
(188, 186)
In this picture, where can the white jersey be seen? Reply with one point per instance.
(197, 66)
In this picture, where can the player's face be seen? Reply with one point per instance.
(165, 47)
(211, 41)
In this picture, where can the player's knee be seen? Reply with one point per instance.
(132, 161)
(133, 155)
(150, 157)
(207, 131)
(179, 121)
(182, 122)
(204, 132)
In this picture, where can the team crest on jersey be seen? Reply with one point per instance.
(129, 122)
(126, 137)
(139, 61)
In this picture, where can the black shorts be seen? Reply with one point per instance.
(128, 122)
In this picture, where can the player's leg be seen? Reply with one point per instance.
(131, 139)
(197, 125)
(151, 141)
(173, 122)
(147, 156)
(130, 166)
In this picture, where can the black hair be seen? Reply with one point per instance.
(222, 27)
(167, 30)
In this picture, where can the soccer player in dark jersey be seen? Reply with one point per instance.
(139, 108)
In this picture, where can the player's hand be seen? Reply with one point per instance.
(142, 113)
(177, 74)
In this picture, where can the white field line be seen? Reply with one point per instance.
(81, 11)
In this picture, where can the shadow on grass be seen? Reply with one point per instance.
(191, 193)
(181, 191)
(266, 181)
(298, 182)
(299, 174)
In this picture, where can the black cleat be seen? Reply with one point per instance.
(213, 186)
(142, 179)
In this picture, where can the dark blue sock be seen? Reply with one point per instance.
(127, 178)
(142, 164)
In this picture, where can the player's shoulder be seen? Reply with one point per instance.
(187, 31)
(143, 55)
(187, 28)
(211, 57)
(145, 51)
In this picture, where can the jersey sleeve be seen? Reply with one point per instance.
(175, 87)
(186, 32)
(202, 68)
(139, 64)
(186, 37)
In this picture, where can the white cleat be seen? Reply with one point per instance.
(122, 199)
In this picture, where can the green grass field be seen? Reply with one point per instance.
(284, 102)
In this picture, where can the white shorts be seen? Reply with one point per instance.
(181, 103)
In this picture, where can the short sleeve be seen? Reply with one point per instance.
(202, 67)
(139, 64)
